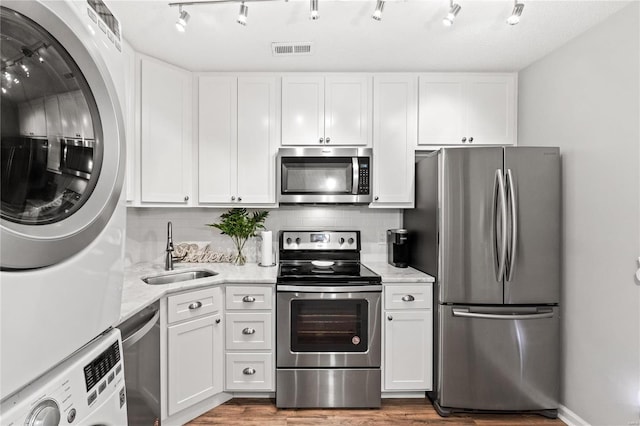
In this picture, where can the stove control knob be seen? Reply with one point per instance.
(341, 241)
(350, 241)
(288, 240)
(297, 240)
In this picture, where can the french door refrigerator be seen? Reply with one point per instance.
(486, 224)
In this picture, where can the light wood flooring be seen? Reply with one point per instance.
(263, 412)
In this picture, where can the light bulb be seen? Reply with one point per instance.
(377, 14)
(183, 20)
(314, 10)
(515, 15)
(242, 16)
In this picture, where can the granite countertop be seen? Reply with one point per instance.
(136, 294)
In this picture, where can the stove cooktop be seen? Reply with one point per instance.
(305, 271)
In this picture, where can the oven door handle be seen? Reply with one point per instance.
(327, 289)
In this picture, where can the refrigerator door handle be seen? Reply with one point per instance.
(466, 314)
(503, 225)
(511, 194)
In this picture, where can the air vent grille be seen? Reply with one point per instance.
(291, 49)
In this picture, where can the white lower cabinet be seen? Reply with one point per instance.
(195, 348)
(408, 338)
(250, 338)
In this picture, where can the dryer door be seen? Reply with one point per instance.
(62, 146)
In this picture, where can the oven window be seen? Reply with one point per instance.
(329, 325)
(313, 175)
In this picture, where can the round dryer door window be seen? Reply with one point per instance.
(60, 145)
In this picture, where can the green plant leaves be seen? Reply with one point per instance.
(241, 224)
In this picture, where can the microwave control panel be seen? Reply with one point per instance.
(364, 172)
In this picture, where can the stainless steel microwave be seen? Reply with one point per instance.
(324, 175)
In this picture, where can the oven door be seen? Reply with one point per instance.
(328, 327)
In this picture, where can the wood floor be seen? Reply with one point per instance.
(263, 412)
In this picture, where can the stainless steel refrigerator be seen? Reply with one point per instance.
(487, 225)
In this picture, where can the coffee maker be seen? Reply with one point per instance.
(398, 247)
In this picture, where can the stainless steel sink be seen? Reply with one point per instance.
(176, 277)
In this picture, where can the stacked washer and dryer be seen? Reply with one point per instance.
(62, 214)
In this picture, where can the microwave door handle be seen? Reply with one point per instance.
(356, 175)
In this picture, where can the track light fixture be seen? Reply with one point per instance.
(515, 15)
(314, 10)
(454, 9)
(377, 14)
(183, 19)
(242, 16)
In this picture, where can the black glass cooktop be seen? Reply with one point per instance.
(306, 271)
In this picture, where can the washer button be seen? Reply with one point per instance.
(118, 368)
(102, 387)
(71, 416)
(92, 397)
(111, 377)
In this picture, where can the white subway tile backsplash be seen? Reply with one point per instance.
(147, 228)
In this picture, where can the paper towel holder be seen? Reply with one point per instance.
(271, 248)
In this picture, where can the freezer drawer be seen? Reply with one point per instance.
(499, 358)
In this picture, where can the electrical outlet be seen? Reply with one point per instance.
(382, 236)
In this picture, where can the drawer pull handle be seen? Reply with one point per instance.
(390, 318)
(249, 371)
(249, 331)
(249, 299)
(218, 321)
(408, 298)
(195, 305)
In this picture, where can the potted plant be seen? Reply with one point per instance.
(239, 225)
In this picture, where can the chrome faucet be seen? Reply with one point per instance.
(168, 261)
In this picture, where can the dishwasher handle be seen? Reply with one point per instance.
(141, 332)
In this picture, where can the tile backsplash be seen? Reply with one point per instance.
(147, 228)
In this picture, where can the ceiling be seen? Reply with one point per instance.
(410, 36)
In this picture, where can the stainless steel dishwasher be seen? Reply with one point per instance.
(141, 347)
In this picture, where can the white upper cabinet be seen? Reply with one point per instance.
(461, 109)
(165, 132)
(31, 118)
(237, 139)
(395, 106)
(75, 117)
(320, 110)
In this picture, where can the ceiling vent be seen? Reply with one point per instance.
(292, 49)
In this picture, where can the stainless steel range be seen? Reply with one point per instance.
(328, 322)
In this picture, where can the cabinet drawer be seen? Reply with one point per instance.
(250, 372)
(408, 296)
(245, 297)
(193, 304)
(248, 331)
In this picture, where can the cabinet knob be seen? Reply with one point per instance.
(218, 321)
(233, 198)
(390, 318)
(239, 198)
(408, 298)
(249, 371)
(249, 331)
(195, 305)
(376, 198)
(249, 299)
(186, 198)
(471, 139)
(464, 139)
(321, 140)
(328, 140)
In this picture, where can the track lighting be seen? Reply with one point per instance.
(377, 14)
(4, 91)
(242, 16)
(314, 10)
(515, 15)
(454, 9)
(41, 59)
(183, 19)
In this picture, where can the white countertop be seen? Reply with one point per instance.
(136, 294)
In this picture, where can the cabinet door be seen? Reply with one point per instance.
(217, 134)
(85, 122)
(302, 110)
(195, 364)
(31, 118)
(165, 111)
(491, 103)
(347, 110)
(69, 115)
(394, 140)
(441, 118)
(408, 350)
(257, 139)
(54, 132)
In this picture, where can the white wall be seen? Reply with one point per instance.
(147, 228)
(584, 98)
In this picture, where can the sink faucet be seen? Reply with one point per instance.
(168, 261)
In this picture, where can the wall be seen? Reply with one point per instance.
(147, 228)
(584, 98)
